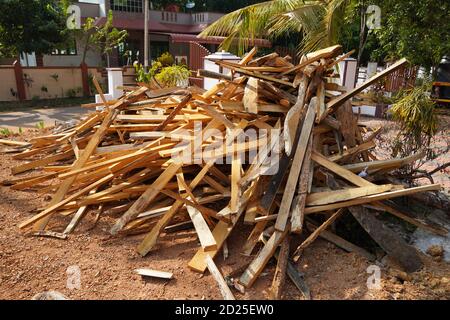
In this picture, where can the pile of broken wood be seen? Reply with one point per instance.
(167, 159)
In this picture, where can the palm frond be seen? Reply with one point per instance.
(319, 21)
(243, 26)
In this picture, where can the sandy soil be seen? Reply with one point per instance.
(30, 265)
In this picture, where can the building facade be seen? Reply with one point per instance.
(169, 31)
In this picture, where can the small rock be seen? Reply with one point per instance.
(435, 251)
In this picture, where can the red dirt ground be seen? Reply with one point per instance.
(30, 265)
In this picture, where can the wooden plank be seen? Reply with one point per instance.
(280, 271)
(292, 120)
(221, 233)
(90, 149)
(334, 104)
(299, 202)
(14, 143)
(255, 74)
(250, 99)
(390, 207)
(154, 273)
(316, 56)
(223, 287)
(173, 114)
(296, 167)
(353, 151)
(151, 238)
(257, 265)
(204, 234)
(41, 162)
(77, 217)
(340, 171)
(248, 57)
(147, 197)
(373, 198)
(381, 164)
(327, 197)
(236, 168)
(48, 211)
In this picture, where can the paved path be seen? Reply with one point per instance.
(13, 120)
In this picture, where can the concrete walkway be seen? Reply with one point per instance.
(28, 119)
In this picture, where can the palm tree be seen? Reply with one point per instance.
(318, 21)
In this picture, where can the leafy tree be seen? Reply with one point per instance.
(31, 26)
(417, 30)
(102, 38)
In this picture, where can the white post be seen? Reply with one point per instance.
(115, 79)
(210, 65)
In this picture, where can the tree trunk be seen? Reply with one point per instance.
(363, 35)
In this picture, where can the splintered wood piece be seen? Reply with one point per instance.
(49, 234)
(223, 287)
(327, 197)
(296, 167)
(256, 267)
(205, 236)
(293, 116)
(77, 217)
(249, 56)
(313, 236)
(220, 233)
(236, 167)
(280, 272)
(250, 99)
(154, 273)
(299, 202)
(327, 53)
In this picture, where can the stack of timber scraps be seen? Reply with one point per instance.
(273, 145)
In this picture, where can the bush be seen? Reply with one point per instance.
(414, 111)
(164, 71)
(173, 76)
(166, 59)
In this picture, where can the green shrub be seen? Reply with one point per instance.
(173, 75)
(414, 111)
(166, 59)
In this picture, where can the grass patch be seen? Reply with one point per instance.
(44, 103)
